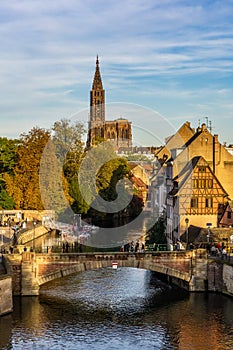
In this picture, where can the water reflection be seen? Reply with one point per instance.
(118, 309)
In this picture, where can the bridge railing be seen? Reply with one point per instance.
(74, 248)
(159, 247)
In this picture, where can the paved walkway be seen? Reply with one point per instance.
(228, 258)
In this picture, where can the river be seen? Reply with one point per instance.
(127, 309)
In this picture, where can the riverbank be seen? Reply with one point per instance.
(6, 300)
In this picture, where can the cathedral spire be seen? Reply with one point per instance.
(97, 82)
(118, 132)
(97, 97)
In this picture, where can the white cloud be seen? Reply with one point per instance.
(174, 50)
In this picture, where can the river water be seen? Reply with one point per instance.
(127, 309)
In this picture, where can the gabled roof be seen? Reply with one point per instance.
(199, 131)
(177, 140)
(145, 167)
(186, 172)
(138, 182)
(229, 205)
(97, 82)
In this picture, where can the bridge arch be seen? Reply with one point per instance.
(30, 270)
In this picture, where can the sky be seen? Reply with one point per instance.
(170, 60)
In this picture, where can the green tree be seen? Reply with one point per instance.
(54, 187)
(157, 232)
(109, 175)
(8, 159)
(79, 205)
(8, 155)
(6, 202)
(69, 147)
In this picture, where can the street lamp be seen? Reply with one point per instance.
(208, 231)
(34, 234)
(187, 232)
(3, 233)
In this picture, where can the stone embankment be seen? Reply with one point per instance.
(6, 301)
(220, 277)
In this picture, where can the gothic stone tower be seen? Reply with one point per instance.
(118, 131)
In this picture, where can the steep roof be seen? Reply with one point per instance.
(138, 182)
(177, 140)
(97, 81)
(185, 174)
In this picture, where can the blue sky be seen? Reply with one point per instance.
(173, 57)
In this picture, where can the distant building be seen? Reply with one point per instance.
(118, 131)
(226, 215)
(137, 153)
(229, 149)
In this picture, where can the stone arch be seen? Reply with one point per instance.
(185, 268)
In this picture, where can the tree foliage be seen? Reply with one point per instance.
(79, 205)
(54, 187)
(8, 159)
(35, 184)
(8, 155)
(157, 233)
(24, 186)
(109, 175)
(6, 202)
(69, 147)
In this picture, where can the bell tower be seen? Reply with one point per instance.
(97, 108)
(97, 97)
(118, 131)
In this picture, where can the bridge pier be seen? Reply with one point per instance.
(29, 282)
(199, 271)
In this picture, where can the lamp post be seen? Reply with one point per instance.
(9, 230)
(3, 233)
(187, 232)
(208, 231)
(34, 234)
(2, 218)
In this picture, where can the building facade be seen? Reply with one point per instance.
(118, 132)
(192, 181)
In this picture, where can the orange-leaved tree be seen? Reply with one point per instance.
(24, 186)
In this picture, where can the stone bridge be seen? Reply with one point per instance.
(29, 270)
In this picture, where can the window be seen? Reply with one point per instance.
(209, 183)
(195, 183)
(202, 183)
(202, 169)
(209, 202)
(229, 214)
(194, 202)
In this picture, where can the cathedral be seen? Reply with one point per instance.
(117, 131)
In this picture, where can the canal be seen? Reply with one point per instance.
(128, 309)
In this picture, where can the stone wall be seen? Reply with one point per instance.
(6, 302)
(192, 270)
(30, 270)
(220, 277)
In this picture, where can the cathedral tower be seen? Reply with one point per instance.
(118, 131)
(97, 108)
(97, 97)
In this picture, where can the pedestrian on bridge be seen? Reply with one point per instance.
(67, 246)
